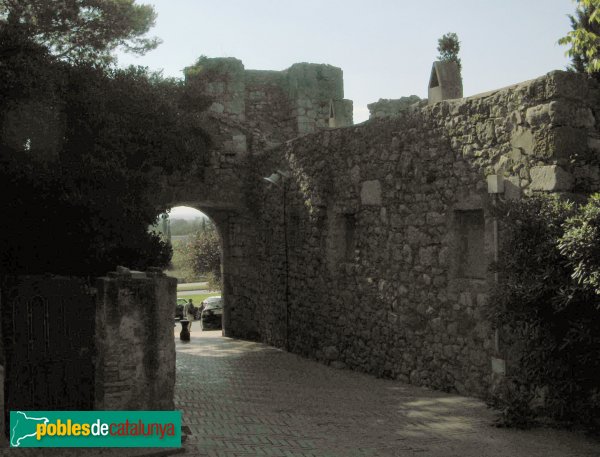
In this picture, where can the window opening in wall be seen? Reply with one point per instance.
(341, 244)
(472, 261)
(331, 114)
(433, 81)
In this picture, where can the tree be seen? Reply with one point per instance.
(203, 252)
(547, 306)
(448, 47)
(77, 30)
(584, 39)
(80, 165)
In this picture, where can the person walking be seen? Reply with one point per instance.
(190, 312)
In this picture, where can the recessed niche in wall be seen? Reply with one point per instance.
(470, 237)
(341, 242)
(433, 81)
(332, 122)
(350, 224)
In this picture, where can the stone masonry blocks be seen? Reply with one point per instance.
(550, 178)
(395, 301)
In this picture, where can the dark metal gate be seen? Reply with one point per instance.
(48, 328)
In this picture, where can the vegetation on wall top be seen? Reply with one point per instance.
(448, 47)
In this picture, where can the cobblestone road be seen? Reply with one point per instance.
(246, 399)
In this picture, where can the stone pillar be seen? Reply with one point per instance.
(135, 366)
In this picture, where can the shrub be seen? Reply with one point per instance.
(203, 253)
(546, 304)
(81, 150)
(580, 244)
(214, 282)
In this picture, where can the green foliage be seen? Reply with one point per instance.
(81, 150)
(214, 281)
(203, 252)
(448, 47)
(179, 266)
(199, 298)
(580, 245)
(550, 319)
(79, 30)
(584, 39)
(212, 66)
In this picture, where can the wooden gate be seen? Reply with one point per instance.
(48, 326)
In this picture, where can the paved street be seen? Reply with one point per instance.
(246, 399)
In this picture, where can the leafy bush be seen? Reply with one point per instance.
(214, 282)
(580, 244)
(203, 252)
(546, 305)
(81, 151)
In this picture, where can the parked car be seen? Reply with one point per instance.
(180, 307)
(212, 313)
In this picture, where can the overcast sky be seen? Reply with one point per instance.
(384, 47)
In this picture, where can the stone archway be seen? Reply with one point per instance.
(233, 228)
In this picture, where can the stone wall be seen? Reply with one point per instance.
(378, 258)
(378, 261)
(135, 366)
(280, 104)
(392, 107)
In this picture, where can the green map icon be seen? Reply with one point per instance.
(24, 427)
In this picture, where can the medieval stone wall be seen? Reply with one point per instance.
(378, 259)
(392, 107)
(281, 104)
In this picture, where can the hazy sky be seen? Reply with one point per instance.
(185, 212)
(384, 47)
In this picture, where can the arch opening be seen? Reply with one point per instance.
(197, 260)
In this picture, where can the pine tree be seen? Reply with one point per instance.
(584, 39)
(448, 47)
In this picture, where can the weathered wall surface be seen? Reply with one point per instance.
(393, 107)
(251, 111)
(280, 104)
(135, 365)
(387, 229)
(374, 254)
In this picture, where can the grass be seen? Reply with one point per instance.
(199, 297)
(185, 287)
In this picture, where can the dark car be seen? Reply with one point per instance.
(212, 313)
(180, 307)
